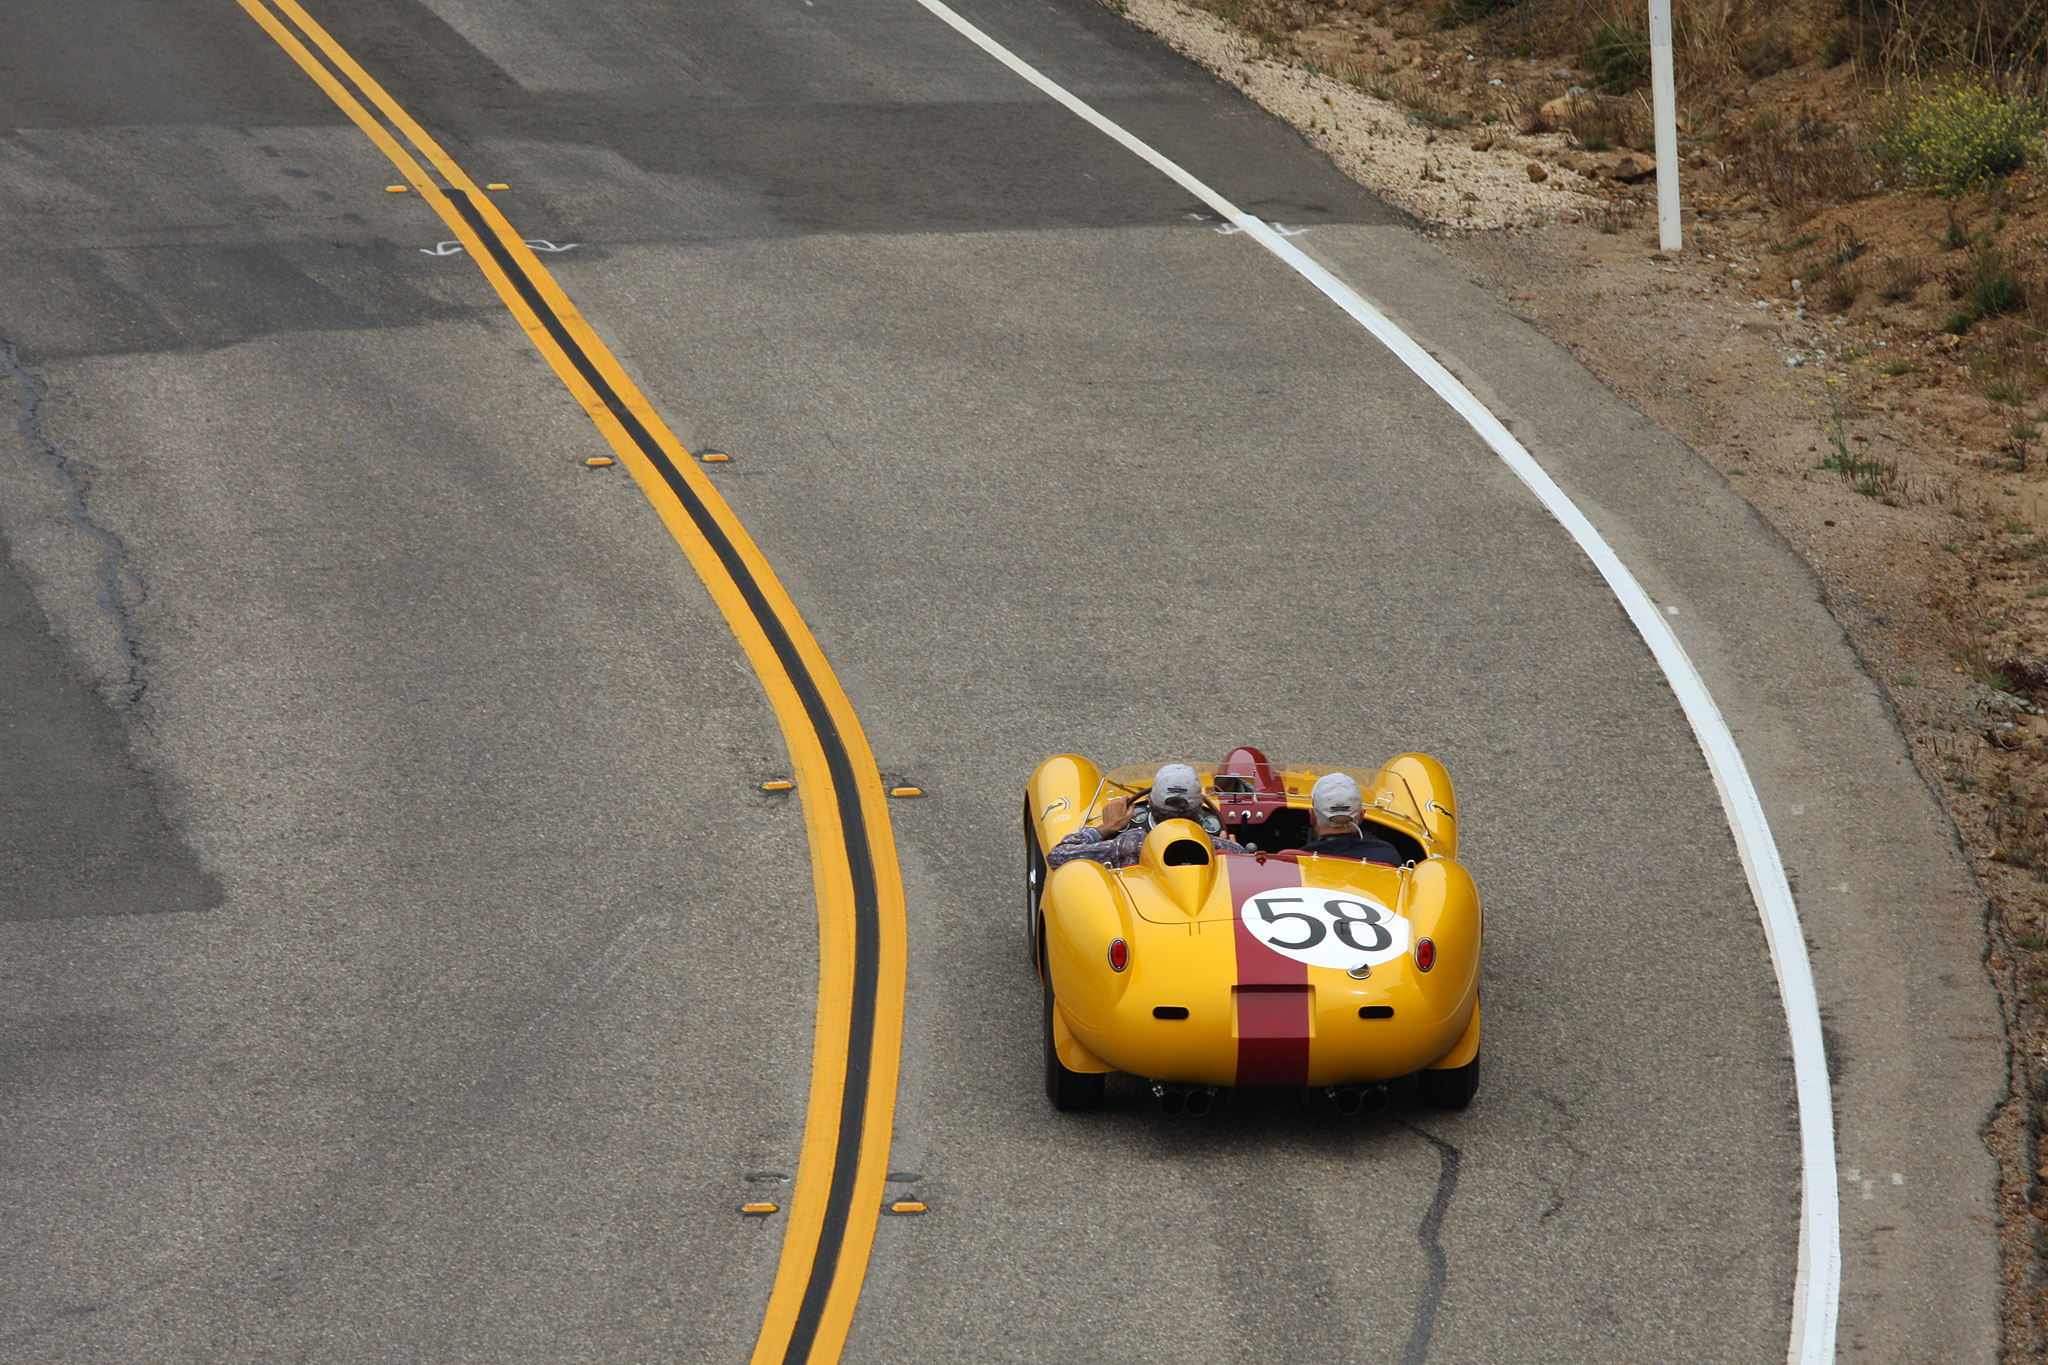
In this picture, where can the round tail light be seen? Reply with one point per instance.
(1425, 954)
(1119, 954)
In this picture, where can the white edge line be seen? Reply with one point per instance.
(1816, 1291)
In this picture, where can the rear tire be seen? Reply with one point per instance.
(1069, 1091)
(1034, 889)
(1452, 1089)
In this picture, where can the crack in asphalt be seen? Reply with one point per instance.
(1559, 1177)
(118, 579)
(1430, 1235)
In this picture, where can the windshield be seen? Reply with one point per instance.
(1387, 794)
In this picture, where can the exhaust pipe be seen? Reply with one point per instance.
(1199, 1099)
(1352, 1099)
(1172, 1099)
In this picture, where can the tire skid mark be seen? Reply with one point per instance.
(1430, 1234)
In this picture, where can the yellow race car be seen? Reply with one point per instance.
(1169, 954)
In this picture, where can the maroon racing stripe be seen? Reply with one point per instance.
(1272, 990)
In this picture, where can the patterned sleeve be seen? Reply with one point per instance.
(1120, 850)
(1087, 842)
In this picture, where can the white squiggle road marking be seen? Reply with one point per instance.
(537, 243)
(1232, 229)
(1816, 1293)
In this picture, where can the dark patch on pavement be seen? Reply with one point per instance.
(167, 299)
(746, 112)
(152, 62)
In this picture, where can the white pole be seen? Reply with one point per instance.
(1664, 101)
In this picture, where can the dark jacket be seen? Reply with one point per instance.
(1352, 844)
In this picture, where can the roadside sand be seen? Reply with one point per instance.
(1438, 175)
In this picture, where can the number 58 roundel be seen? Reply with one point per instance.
(1326, 929)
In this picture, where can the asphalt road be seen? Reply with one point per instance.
(404, 965)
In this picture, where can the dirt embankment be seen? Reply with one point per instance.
(1866, 360)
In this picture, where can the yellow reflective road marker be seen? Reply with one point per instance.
(837, 1198)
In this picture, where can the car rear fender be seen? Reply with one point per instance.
(1466, 1049)
(1441, 904)
(1084, 911)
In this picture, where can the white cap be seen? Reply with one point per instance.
(1176, 792)
(1337, 799)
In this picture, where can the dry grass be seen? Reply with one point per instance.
(2002, 37)
(1522, 110)
(2018, 822)
(1838, 286)
(1617, 216)
(1722, 40)
(1598, 125)
(1799, 165)
(1963, 628)
(1713, 39)
(1899, 280)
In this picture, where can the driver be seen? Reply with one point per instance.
(1116, 838)
(1337, 804)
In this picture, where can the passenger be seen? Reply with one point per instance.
(1117, 837)
(1336, 806)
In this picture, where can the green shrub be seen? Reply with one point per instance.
(1953, 136)
(1620, 59)
(1956, 235)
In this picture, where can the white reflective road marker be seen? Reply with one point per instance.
(1816, 1293)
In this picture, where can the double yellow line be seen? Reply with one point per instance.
(844, 1160)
